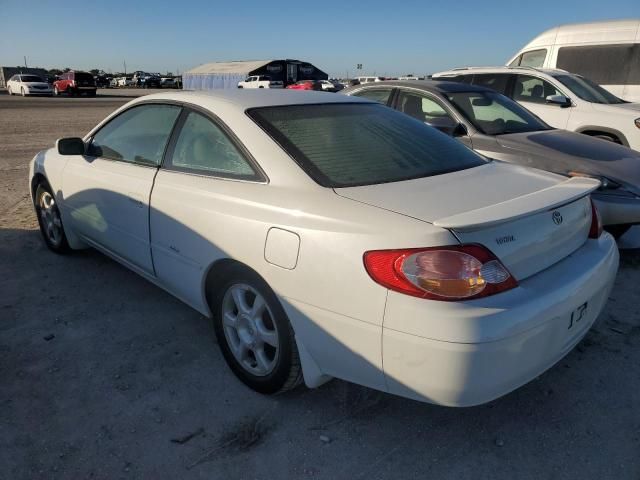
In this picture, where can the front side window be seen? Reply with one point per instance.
(138, 135)
(345, 145)
(534, 58)
(587, 90)
(495, 114)
(494, 81)
(202, 147)
(532, 89)
(380, 95)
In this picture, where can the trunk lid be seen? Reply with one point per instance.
(528, 218)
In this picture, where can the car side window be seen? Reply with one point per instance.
(423, 108)
(139, 135)
(202, 147)
(532, 89)
(380, 95)
(497, 82)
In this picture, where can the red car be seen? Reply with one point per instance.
(75, 83)
(305, 85)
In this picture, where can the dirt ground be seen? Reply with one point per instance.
(104, 376)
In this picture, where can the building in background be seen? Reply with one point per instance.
(216, 75)
(7, 72)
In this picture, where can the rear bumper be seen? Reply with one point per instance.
(617, 210)
(484, 349)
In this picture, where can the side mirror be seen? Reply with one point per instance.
(559, 100)
(70, 146)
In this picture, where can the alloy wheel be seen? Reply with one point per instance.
(50, 216)
(250, 329)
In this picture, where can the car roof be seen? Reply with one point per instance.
(437, 86)
(500, 69)
(249, 98)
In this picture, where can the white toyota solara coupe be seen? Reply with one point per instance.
(330, 236)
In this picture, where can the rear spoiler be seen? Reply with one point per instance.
(532, 203)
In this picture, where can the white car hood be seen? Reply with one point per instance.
(632, 108)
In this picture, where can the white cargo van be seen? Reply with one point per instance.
(607, 53)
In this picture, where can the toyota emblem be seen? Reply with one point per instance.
(557, 217)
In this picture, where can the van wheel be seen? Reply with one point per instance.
(240, 86)
(50, 220)
(22, 92)
(254, 333)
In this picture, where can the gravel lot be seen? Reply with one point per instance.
(103, 375)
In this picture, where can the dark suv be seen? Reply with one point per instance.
(75, 83)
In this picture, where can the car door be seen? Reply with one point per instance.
(198, 203)
(106, 192)
(531, 92)
(431, 110)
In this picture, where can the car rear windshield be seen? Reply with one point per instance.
(346, 145)
(83, 77)
(31, 78)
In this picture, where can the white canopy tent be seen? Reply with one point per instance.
(219, 74)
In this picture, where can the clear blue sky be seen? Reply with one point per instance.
(387, 37)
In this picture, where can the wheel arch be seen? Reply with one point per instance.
(599, 130)
(216, 273)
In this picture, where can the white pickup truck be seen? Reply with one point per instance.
(260, 81)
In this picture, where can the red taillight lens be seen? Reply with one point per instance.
(596, 222)
(458, 272)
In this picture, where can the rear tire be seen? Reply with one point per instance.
(617, 230)
(56, 92)
(254, 333)
(50, 220)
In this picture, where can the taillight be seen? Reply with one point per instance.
(457, 272)
(596, 222)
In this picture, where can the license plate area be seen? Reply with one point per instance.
(577, 316)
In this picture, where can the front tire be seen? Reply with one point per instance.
(254, 333)
(22, 92)
(50, 220)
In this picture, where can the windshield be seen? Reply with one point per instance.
(31, 78)
(588, 90)
(495, 114)
(345, 145)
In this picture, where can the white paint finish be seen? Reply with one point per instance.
(336, 309)
(281, 248)
(583, 34)
(108, 202)
(529, 335)
(340, 346)
(535, 301)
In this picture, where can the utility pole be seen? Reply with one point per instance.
(124, 62)
(25, 62)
